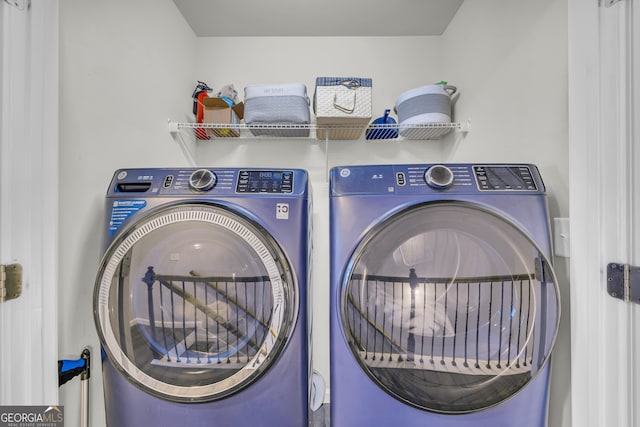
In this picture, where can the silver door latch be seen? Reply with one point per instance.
(623, 282)
(10, 282)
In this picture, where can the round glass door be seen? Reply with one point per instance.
(449, 307)
(194, 302)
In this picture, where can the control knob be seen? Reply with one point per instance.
(202, 180)
(438, 177)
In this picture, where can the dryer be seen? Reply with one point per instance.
(200, 300)
(444, 306)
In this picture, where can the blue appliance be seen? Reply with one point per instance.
(200, 301)
(444, 307)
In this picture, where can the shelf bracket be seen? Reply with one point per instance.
(623, 282)
(608, 3)
(10, 282)
(189, 150)
(21, 5)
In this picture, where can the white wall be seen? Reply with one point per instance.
(508, 60)
(126, 68)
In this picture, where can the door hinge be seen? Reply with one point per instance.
(623, 282)
(608, 3)
(10, 282)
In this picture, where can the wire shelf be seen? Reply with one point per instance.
(379, 132)
(189, 136)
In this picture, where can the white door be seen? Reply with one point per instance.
(29, 199)
(604, 98)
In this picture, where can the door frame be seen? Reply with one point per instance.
(601, 153)
(29, 199)
(604, 208)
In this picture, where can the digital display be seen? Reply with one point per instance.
(264, 182)
(504, 178)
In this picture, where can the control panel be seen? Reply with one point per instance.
(490, 178)
(504, 178)
(262, 181)
(437, 177)
(193, 181)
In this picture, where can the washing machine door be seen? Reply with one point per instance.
(194, 302)
(449, 307)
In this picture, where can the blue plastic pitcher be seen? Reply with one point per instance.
(378, 130)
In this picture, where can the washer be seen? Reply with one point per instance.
(444, 306)
(200, 301)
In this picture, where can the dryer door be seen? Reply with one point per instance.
(194, 302)
(450, 307)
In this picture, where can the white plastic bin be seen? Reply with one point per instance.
(423, 105)
(277, 109)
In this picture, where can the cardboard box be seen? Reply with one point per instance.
(217, 111)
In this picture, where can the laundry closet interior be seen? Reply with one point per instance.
(128, 71)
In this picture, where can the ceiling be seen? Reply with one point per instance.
(211, 18)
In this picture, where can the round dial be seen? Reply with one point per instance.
(438, 177)
(202, 180)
